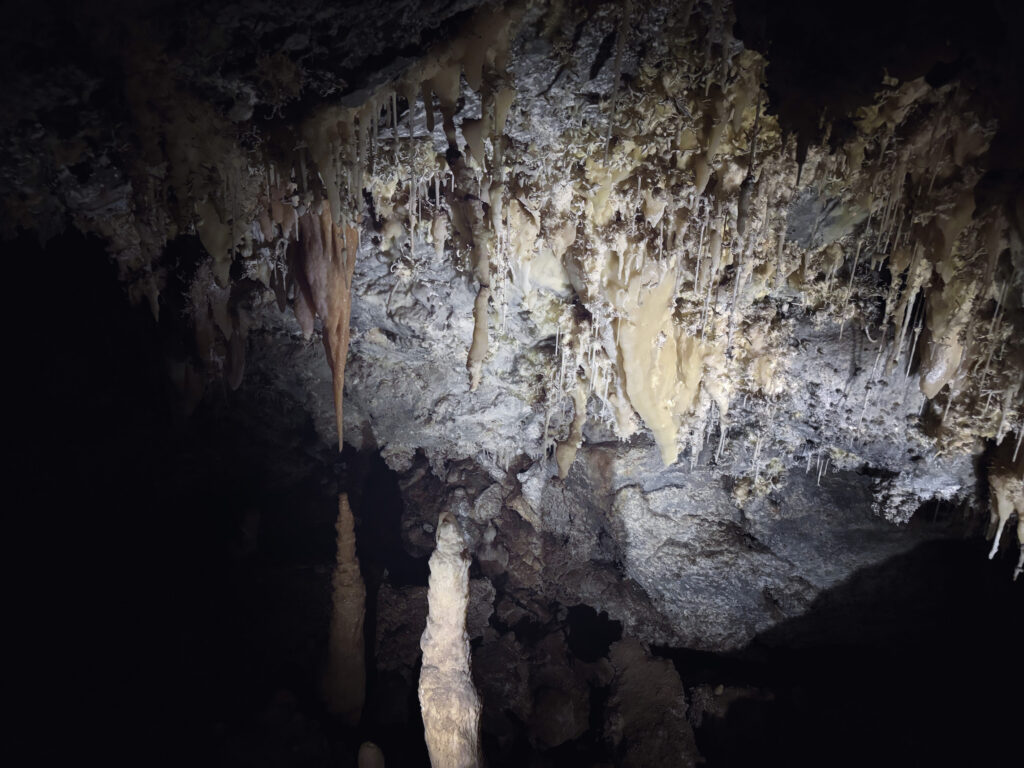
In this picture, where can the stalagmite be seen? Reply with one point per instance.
(448, 700)
(370, 756)
(345, 679)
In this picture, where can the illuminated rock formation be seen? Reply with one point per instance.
(448, 699)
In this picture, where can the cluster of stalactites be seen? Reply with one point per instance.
(648, 242)
(670, 240)
(343, 149)
(954, 303)
(304, 251)
(480, 54)
(353, 150)
(297, 232)
(680, 230)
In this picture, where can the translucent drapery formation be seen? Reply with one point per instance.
(448, 700)
(345, 678)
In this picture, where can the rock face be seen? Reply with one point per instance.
(647, 710)
(803, 418)
(663, 342)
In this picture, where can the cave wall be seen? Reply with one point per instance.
(690, 311)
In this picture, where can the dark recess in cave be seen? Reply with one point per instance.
(591, 633)
(898, 666)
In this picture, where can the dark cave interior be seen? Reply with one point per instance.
(180, 613)
(172, 571)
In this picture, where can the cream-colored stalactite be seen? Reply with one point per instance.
(449, 702)
(949, 311)
(949, 307)
(345, 679)
(474, 131)
(470, 217)
(439, 233)
(662, 375)
(600, 207)
(1007, 498)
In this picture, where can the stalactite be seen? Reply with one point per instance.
(448, 701)
(325, 282)
(480, 240)
(478, 347)
(566, 450)
(345, 678)
(622, 240)
(747, 187)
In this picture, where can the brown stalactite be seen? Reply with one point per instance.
(325, 285)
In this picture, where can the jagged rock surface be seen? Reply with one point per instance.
(806, 436)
